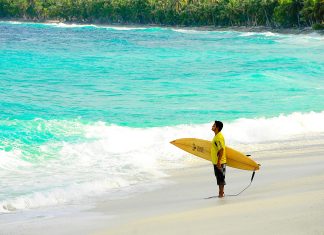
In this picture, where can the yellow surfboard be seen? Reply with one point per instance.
(201, 148)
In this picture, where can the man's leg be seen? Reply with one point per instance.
(221, 191)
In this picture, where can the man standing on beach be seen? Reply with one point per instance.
(218, 156)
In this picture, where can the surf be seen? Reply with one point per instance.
(106, 157)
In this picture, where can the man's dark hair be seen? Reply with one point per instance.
(219, 125)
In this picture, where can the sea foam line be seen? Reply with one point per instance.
(111, 157)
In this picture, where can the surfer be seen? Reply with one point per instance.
(218, 156)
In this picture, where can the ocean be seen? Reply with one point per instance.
(88, 111)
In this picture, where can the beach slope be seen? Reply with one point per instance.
(286, 197)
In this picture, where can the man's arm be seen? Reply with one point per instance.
(220, 155)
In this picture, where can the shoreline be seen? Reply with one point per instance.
(256, 29)
(278, 201)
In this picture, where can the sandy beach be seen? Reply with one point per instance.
(286, 197)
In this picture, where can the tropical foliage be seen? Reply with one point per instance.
(275, 13)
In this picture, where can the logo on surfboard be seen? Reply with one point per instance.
(197, 148)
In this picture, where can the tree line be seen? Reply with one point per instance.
(271, 13)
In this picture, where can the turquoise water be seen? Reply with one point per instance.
(155, 76)
(72, 96)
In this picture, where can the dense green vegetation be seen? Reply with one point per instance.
(274, 13)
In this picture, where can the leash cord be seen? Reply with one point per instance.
(234, 195)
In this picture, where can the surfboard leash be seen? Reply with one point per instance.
(234, 195)
(253, 174)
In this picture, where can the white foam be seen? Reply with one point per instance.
(282, 127)
(269, 34)
(11, 161)
(248, 34)
(122, 28)
(266, 34)
(61, 195)
(11, 22)
(112, 157)
(190, 31)
(126, 28)
(311, 39)
(72, 25)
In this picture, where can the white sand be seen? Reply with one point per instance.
(286, 197)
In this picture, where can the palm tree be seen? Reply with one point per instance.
(178, 5)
